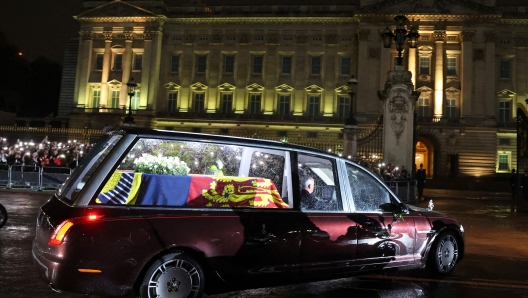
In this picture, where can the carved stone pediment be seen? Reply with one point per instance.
(171, 86)
(505, 93)
(116, 9)
(428, 6)
(114, 84)
(226, 87)
(284, 88)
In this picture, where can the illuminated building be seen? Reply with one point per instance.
(280, 69)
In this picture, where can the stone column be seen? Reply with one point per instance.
(84, 68)
(154, 69)
(412, 64)
(439, 36)
(398, 117)
(490, 94)
(125, 76)
(145, 71)
(107, 65)
(467, 73)
(350, 141)
(521, 65)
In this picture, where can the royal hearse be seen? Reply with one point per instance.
(173, 214)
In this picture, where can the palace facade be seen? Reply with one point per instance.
(278, 69)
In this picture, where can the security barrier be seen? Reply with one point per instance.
(33, 177)
(404, 189)
(53, 177)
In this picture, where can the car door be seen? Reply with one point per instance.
(329, 234)
(386, 237)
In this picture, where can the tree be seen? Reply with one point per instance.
(44, 93)
(14, 77)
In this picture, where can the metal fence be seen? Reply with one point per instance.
(404, 189)
(32, 177)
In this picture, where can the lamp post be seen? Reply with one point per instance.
(129, 120)
(399, 35)
(352, 89)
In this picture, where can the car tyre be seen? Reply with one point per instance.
(444, 254)
(174, 275)
(3, 215)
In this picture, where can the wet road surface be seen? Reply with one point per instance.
(495, 265)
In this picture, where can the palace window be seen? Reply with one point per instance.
(99, 58)
(343, 106)
(175, 63)
(199, 102)
(115, 99)
(345, 66)
(424, 65)
(287, 38)
(504, 111)
(284, 104)
(138, 61)
(257, 64)
(254, 103)
(286, 64)
(96, 97)
(316, 65)
(503, 161)
(201, 64)
(226, 104)
(450, 108)
(505, 69)
(314, 105)
(259, 38)
(451, 66)
(118, 62)
(423, 107)
(171, 101)
(229, 64)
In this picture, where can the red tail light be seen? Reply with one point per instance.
(61, 230)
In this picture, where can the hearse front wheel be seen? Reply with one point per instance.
(444, 254)
(174, 275)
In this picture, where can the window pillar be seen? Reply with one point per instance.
(107, 60)
(125, 76)
(439, 36)
(466, 73)
(412, 64)
(84, 68)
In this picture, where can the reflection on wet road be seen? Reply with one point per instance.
(497, 255)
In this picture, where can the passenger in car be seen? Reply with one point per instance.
(308, 201)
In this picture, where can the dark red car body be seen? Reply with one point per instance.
(108, 249)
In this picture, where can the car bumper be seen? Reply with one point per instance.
(64, 277)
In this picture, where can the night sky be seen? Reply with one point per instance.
(40, 27)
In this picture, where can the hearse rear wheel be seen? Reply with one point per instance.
(174, 275)
(444, 254)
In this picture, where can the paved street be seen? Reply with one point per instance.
(495, 263)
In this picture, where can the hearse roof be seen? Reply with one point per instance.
(222, 138)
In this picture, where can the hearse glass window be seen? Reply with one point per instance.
(367, 192)
(319, 190)
(76, 181)
(190, 174)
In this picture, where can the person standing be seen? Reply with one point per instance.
(524, 184)
(420, 181)
(513, 183)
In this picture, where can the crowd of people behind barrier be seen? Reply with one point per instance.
(386, 171)
(45, 154)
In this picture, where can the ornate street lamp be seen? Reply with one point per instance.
(352, 90)
(399, 35)
(129, 120)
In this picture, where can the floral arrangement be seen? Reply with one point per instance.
(170, 165)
